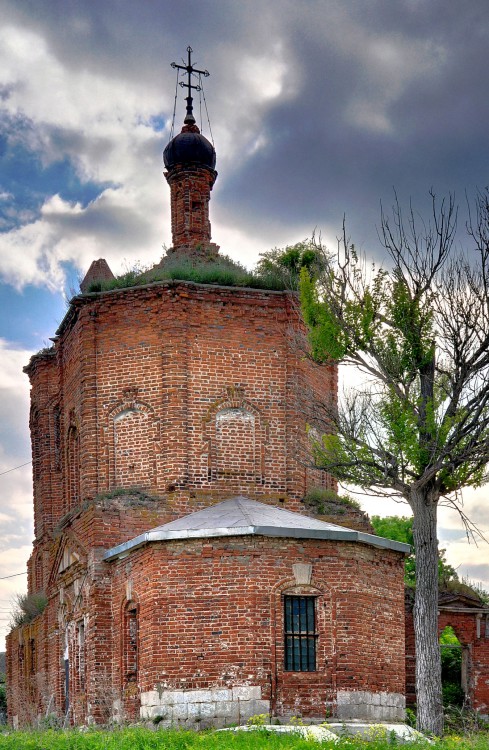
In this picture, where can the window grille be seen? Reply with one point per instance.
(300, 633)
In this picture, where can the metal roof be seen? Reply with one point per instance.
(241, 516)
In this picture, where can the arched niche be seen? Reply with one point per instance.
(131, 437)
(235, 437)
(73, 463)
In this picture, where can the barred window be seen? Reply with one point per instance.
(300, 633)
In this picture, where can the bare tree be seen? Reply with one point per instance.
(418, 427)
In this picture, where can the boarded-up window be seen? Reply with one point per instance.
(235, 444)
(132, 449)
(73, 467)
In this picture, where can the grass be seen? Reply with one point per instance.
(328, 502)
(223, 272)
(138, 738)
(28, 607)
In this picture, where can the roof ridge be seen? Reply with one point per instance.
(239, 501)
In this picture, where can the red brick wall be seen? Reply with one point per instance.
(185, 391)
(190, 188)
(175, 386)
(211, 615)
(475, 639)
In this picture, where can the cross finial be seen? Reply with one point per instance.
(189, 117)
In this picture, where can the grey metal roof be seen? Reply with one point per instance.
(241, 516)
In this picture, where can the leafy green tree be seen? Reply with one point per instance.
(401, 529)
(287, 263)
(418, 428)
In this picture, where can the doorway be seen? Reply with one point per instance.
(453, 668)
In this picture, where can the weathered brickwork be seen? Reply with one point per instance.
(190, 194)
(176, 386)
(211, 619)
(472, 630)
(157, 401)
(154, 402)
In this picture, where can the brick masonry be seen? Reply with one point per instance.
(155, 402)
(471, 627)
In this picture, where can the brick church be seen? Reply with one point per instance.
(181, 574)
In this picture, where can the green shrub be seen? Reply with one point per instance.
(258, 720)
(287, 262)
(27, 608)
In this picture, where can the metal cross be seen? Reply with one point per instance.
(189, 117)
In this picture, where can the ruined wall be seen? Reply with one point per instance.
(472, 630)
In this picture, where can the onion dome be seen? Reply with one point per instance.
(190, 147)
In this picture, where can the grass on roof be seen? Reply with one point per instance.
(222, 272)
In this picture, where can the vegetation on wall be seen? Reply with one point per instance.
(222, 272)
(278, 269)
(27, 608)
(328, 502)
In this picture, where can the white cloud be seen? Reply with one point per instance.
(101, 124)
(97, 105)
(15, 486)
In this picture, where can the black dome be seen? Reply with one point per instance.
(189, 148)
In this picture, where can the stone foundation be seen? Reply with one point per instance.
(361, 704)
(217, 707)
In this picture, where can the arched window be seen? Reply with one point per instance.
(73, 466)
(57, 437)
(132, 449)
(80, 653)
(36, 443)
(132, 437)
(130, 643)
(32, 656)
(235, 444)
(235, 439)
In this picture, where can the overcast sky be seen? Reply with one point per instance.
(318, 108)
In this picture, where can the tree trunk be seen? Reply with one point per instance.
(428, 664)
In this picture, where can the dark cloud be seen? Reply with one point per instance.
(319, 161)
